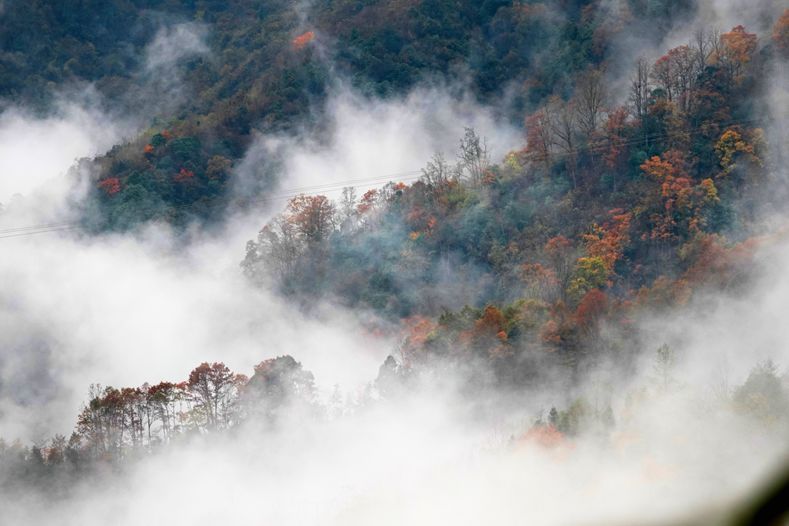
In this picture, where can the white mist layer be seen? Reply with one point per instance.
(36, 152)
(373, 142)
(122, 310)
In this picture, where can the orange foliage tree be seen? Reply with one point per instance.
(301, 41)
(111, 185)
(313, 217)
(609, 240)
(736, 50)
(681, 199)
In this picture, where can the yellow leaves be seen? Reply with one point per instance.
(732, 143)
(608, 241)
(709, 191)
(590, 273)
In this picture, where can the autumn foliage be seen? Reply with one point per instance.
(111, 185)
(301, 41)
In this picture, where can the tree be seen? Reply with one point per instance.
(213, 389)
(473, 159)
(664, 366)
(561, 256)
(781, 33)
(615, 152)
(539, 137)
(564, 127)
(674, 74)
(437, 173)
(590, 273)
(639, 94)
(732, 144)
(609, 240)
(348, 213)
(278, 382)
(590, 101)
(736, 50)
(275, 251)
(763, 395)
(313, 217)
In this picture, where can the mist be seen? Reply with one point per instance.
(123, 309)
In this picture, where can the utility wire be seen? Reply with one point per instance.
(412, 175)
(288, 193)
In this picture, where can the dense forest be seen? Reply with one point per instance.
(608, 213)
(642, 189)
(273, 65)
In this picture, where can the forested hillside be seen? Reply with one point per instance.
(598, 308)
(268, 65)
(608, 213)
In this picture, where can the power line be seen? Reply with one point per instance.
(289, 193)
(42, 231)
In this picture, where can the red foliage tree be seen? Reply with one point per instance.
(111, 185)
(301, 41)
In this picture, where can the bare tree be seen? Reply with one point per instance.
(437, 172)
(347, 210)
(590, 100)
(565, 130)
(473, 158)
(639, 94)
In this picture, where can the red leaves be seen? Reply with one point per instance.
(615, 130)
(492, 322)
(593, 305)
(301, 41)
(546, 436)
(367, 202)
(312, 216)
(184, 175)
(609, 240)
(111, 185)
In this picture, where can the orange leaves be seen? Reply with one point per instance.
(368, 202)
(681, 199)
(593, 305)
(301, 41)
(781, 33)
(111, 185)
(540, 281)
(491, 322)
(609, 240)
(738, 44)
(735, 51)
(615, 128)
(539, 138)
(557, 245)
(551, 332)
(545, 436)
(419, 329)
(312, 216)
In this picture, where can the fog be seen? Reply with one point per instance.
(123, 309)
(369, 142)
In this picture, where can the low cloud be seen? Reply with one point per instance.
(366, 139)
